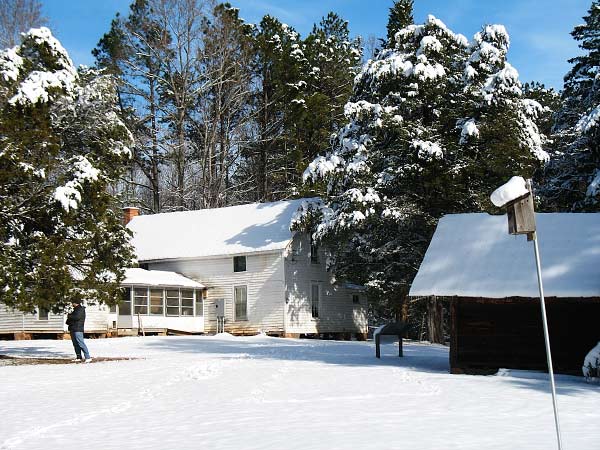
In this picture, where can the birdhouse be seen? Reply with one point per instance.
(517, 198)
(521, 215)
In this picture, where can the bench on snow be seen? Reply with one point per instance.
(391, 329)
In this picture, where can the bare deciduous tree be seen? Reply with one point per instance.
(16, 17)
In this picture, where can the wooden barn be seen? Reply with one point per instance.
(488, 279)
(268, 278)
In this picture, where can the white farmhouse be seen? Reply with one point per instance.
(269, 278)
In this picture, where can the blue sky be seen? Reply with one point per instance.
(539, 29)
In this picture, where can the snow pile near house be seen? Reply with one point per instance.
(137, 276)
(214, 232)
(472, 255)
(513, 189)
(591, 364)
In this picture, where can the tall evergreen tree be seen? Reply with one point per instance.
(62, 144)
(549, 100)
(331, 61)
(499, 133)
(268, 163)
(400, 16)
(433, 125)
(572, 180)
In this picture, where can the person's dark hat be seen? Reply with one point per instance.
(76, 301)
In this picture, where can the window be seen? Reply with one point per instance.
(314, 251)
(43, 313)
(241, 302)
(140, 301)
(187, 302)
(125, 303)
(239, 263)
(172, 302)
(156, 302)
(356, 299)
(315, 296)
(199, 304)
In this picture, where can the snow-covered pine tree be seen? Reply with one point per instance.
(385, 171)
(499, 136)
(550, 101)
(572, 180)
(302, 85)
(400, 16)
(331, 61)
(61, 145)
(419, 123)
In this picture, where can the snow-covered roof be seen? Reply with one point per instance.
(472, 255)
(141, 277)
(212, 232)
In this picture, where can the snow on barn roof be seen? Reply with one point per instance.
(212, 232)
(472, 255)
(142, 277)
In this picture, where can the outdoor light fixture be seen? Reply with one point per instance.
(517, 197)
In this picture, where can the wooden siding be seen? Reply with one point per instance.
(264, 278)
(337, 312)
(96, 318)
(487, 334)
(12, 321)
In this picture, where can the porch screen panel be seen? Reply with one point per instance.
(156, 302)
(140, 301)
(187, 302)
(172, 302)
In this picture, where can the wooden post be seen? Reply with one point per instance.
(22, 336)
(435, 319)
(377, 342)
(400, 350)
(453, 334)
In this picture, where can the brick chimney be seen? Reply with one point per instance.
(129, 212)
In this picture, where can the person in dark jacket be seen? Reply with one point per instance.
(76, 321)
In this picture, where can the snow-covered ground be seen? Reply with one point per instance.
(267, 393)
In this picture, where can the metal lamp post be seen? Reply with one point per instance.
(521, 220)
